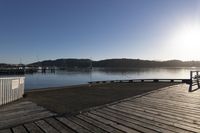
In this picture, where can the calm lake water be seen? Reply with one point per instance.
(82, 76)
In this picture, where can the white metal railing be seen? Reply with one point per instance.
(11, 89)
(194, 78)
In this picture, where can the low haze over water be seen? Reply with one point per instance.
(82, 76)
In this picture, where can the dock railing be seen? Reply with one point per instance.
(11, 88)
(194, 78)
(143, 81)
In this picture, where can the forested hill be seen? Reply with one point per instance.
(115, 63)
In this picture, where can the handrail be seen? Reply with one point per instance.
(194, 78)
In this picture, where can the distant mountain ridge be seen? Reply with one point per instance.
(114, 63)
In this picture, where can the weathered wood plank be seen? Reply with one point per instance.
(24, 119)
(160, 118)
(125, 122)
(167, 108)
(179, 114)
(20, 108)
(148, 117)
(112, 123)
(6, 131)
(33, 128)
(134, 120)
(46, 127)
(150, 122)
(166, 104)
(166, 115)
(172, 101)
(58, 125)
(173, 98)
(99, 124)
(86, 125)
(18, 114)
(14, 106)
(19, 129)
(73, 125)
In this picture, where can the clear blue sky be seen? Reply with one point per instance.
(49, 29)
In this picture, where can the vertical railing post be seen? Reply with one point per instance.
(191, 82)
(197, 76)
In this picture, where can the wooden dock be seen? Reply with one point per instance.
(188, 81)
(21, 112)
(170, 110)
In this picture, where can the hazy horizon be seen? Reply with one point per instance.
(32, 31)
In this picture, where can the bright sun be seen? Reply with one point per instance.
(186, 42)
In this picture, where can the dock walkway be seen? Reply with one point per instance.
(170, 110)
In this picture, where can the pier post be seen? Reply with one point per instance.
(197, 76)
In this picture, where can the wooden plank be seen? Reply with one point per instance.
(99, 124)
(151, 122)
(73, 125)
(18, 114)
(177, 102)
(10, 110)
(24, 119)
(16, 106)
(6, 131)
(185, 105)
(125, 122)
(192, 96)
(177, 94)
(159, 118)
(166, 115)
(86, 125)
(175, 98)
(179, 114)
(46, 127)
(131, 119)
(33, 128)
(112, 123)
(19, 129)
(166, 104)
(180, 100)
(157, 101)
(144, 116)
(179, 90)
(58, 125)
(167, 108)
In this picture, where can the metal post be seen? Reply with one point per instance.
(197, 78)
(191, 78)
(191, 82)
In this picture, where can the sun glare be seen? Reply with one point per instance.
(186, 42)
(189, 36)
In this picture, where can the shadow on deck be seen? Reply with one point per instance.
(171, 109)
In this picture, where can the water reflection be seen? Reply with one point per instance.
(82, 76)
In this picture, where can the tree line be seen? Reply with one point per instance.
(113, 63)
